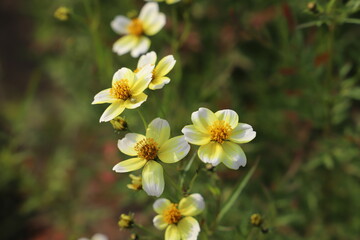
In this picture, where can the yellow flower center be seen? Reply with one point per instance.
(147, 149)
(135, 27)
(121, 90)
(172, 214)
(220, 131)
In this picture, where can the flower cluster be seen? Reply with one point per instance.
(218, 134)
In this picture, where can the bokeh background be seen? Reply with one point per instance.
(288, 68)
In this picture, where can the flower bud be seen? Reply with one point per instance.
(136, 182)
(62, 13)
(119, 124)
(126, 221)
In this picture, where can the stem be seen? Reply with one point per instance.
(193, 179)
(142, 119)
(146, 230)
(172, 183)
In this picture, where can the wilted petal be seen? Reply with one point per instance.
(203, 119)
(120, 24)
(189, 228)
(129, 165)
(228, 116)
(192, 205)
(114, 110)
(127, 144)
(174, 149)
(235, 156)
(172, 233)
(194, 136)
(243, 133)
(153, 179)
(159, 130)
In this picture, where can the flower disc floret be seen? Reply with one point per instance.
(172, 214)
(219, 131)
(135, 27)
(121, 90)
(147, 149)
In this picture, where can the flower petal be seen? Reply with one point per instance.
(235, 156)
(99, 236)
(142, 80)
(135, 101)
(129, 165)
(128, 143)
(211, 153)
(194, 136)
(124, 73)
(158, 82)
(156, 25)
(148, 14)
(228, 116)
(164, 66)
(159, 130)
(125, 44)
(153, 179)
(142, 46)
(202, 119)
(104, 97)
(111, 112)
(160, 205)
(149, 58)
(120, 24)
(159, 222)
(172, 1)
(189, 228)
(243, 133)
(172, 233)
(174, 149)
(192, 205)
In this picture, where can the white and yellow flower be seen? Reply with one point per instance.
(97, 236)
(178, 219)
(165, 65)
(136, 30)
(127, 91)
(167, 1)
(218, 135)
(147, 150)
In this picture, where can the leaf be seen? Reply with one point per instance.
(241, 185)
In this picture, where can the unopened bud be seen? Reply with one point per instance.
(136, 182)
(119, 124)
(126, 221)
(312, 7)
(62, 13)
(256, 220)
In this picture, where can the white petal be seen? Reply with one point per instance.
(149, 58)
(164, 66)
(135, 101)
(160, 205)
(124, 73)
(194, 136)
(120, 24)
(99, 236)
(159, 222)
(203, 119)
(153, 179)
(174, 149)
(148, 13)
(158, 82)
(151, 28)
(211, 153)
(142, 46)
(192, 205)
(189, 228)
(159, 130)
(127, 144)
(228, 116)
(243, 133)
(125, 44)
(172, 233)
(142, 79)
(111, 112)
(104, 97)
(129, 165)
(235, 156)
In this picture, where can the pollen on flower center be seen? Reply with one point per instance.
(135, 27)
(172, 214)
(219, 131)
(121, 90)
(147, 149)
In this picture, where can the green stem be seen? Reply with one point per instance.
(142, 119)
(146, 230)
(172, 183)
(193, 179)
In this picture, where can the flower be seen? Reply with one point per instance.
(164, 66)
(62, 13)
(126, 92)
(149, 22)
(218, 134)
(178, 219)
(148, 149)
(167, 1)
(135, 182)
(97, 236)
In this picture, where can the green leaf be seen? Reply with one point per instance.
(240, 187)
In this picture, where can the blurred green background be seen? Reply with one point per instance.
(288, 68)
